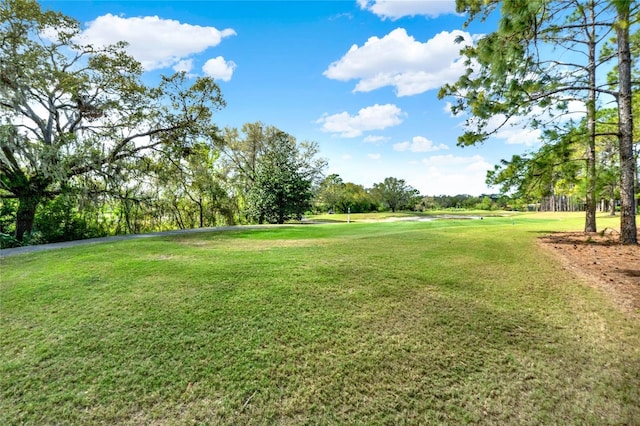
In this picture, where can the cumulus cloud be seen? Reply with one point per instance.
(451, 174)
(419, 144)
(435, 175)
(517, 130)
(400, 61)
(219, 69)
(450, 160)
(374, 156)
(375, 139)
(155, 42)
(185, 65)
(375, 117)
(519, 136)
(395, 9)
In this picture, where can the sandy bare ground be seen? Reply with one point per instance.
(603, 261)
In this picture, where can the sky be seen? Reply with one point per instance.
(359, 77)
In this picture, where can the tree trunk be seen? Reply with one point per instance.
(28, 204)
(281, 213)
(612, 203)
(592, 179)
(628, 230)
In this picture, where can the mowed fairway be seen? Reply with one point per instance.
(450, 321)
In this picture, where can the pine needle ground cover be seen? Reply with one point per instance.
(448, 321)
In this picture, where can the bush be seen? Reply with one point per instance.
(59, 220)
(8, 209)
(7, 241)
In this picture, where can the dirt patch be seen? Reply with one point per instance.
(599, 257)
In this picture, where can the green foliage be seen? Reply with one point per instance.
(558, 166)
(541, 173)
(485, 204)
(269, 172)
(59, 220)
(331, 193)
(281, 187)
(544, 55)
(8, 208)
(357, 199)
(510, 76)
(84, 113)
(395, 194)
(56, 220)
(465, 202)
(191, 185)
(337, 196)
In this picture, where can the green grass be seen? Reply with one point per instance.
(443, 322)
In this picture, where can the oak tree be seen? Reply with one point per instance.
(395, 193)
(71, 111)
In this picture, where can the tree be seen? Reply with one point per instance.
(514, 76)
(242, 151)
(628, 227)
(71, 112)
(395, 193)
(251, 160)
(553, 170)
(356, 199)
(608, 160)
(192, 183)
(334, 194)
(541, 58)
(331, 192)
(281, 188)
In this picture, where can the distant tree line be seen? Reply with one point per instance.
(336, 196)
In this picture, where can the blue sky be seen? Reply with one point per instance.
(358, 77)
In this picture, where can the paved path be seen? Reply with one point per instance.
(53, 246)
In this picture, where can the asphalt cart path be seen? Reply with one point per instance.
(65, 244)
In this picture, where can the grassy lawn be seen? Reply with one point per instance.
(449, 321)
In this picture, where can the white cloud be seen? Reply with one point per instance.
(451, 174)
(519, 136)
(155, 42)
(185, 65)
(219, 69)
(375, 139)
(399, 60)
(450, 160)
(395, 9)
(435, 175)
(374, 156)
(419, 144)
(517, 130)
(375, 117)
